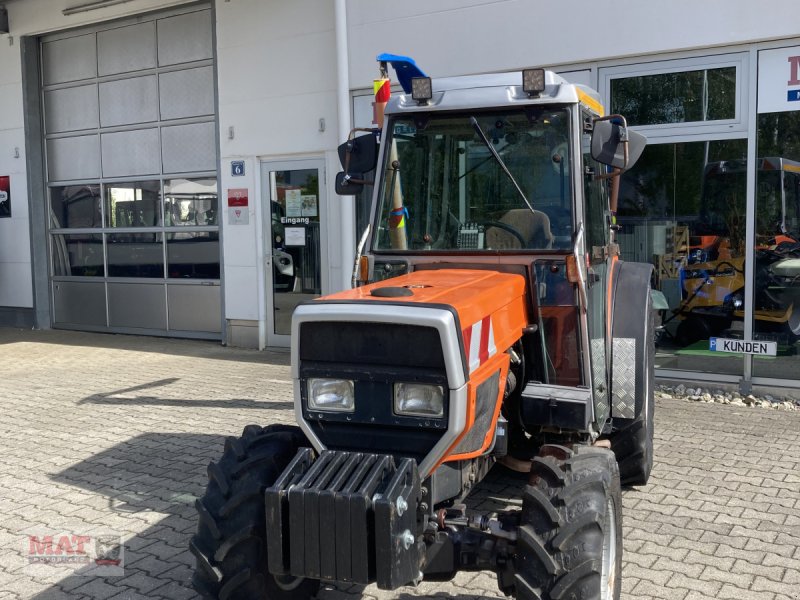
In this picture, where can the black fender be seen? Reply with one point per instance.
(630, 318)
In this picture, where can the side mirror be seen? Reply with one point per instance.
(614, 144)
(358, 156)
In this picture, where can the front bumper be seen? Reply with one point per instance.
(346, 516)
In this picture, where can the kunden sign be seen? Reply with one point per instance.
(779, 80)
(742, 346)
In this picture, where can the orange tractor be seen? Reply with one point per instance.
(491, 322)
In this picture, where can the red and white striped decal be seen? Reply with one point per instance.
(479, 343)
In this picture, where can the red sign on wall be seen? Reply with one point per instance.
(237, 197)
(5, 196)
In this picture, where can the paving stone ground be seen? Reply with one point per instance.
(103, 433)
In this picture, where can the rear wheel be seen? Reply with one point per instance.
(230, 544)
(569, 544)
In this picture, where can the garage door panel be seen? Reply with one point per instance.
(131, 153)
(71, 109)
(79, 303)
(185, 38)
(70, 59)
(188, 93)
(189, 148)
(128, 101)
(140, 305)
(126, 49)
(73, 158)
(195, 307)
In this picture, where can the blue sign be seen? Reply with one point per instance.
(237, 168)
(793, 96)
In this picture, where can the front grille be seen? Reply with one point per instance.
(374, 356)
(380, 344)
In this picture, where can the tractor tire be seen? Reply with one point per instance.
(230, 544)
(633, 443)
(569, 543)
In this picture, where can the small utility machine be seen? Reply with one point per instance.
(491, 322)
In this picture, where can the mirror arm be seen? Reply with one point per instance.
(348, 179)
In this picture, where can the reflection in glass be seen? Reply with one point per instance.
(78, 255)
(193, 255)
(190, 202)
(776, 293)
(133, 204)
(294, 209)
(682, 209)
(135, 255)
(75, 206)
(689, 96)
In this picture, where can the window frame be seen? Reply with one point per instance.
(736, 127)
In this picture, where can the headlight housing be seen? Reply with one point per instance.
(418, 400)
(331, 395)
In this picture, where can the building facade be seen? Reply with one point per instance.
(166, 168)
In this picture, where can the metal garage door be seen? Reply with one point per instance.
(130, 144)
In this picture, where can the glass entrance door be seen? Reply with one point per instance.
(294, 198)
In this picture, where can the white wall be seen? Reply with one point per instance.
(277, 78)
(454, 37)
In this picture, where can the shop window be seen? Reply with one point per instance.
(688, 96)
(682, 208)
(776, 290)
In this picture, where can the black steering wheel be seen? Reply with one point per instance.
(509, 229)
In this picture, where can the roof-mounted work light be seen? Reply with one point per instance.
(421, 89)
(533, 81)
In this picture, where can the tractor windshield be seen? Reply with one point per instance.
(443, 189)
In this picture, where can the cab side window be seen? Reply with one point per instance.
(597, 219)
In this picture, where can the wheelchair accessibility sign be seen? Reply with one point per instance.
(743, 346)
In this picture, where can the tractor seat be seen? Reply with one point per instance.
(534, 227)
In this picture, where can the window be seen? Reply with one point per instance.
(445, 189)
(682, 209)
(133, 204)
(138, 240)
(689, 97)
(701, 95)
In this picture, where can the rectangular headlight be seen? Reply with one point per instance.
(331, 395)
(418, 400)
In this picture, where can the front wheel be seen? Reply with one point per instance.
(569, 544)
(230, 544)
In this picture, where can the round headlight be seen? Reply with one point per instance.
(418, 400)
(335, 395)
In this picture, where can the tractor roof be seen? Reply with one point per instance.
(495, 90)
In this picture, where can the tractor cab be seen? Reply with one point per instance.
(508, 172)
